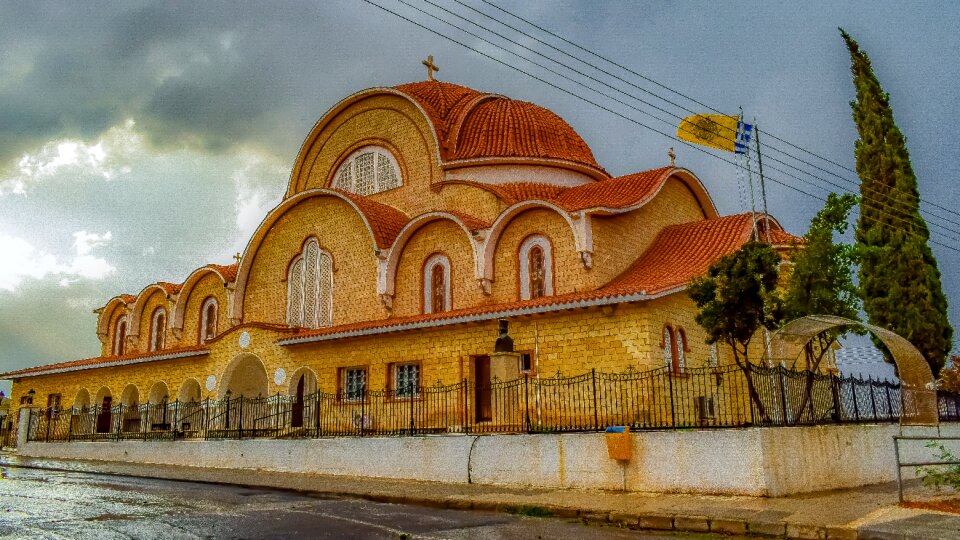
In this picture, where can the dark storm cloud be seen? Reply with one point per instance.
(209, 75)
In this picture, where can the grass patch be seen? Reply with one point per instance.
(530, 511)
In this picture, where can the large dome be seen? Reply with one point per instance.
(471, 125)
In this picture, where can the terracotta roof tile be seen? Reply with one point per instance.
(783, 238)
(620, 192)
(128, 298)
(170, 288)
(91, 363)
(473, 125)
(472, 223)
(229, 273)
(386, 221)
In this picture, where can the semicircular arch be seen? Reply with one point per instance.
(106, 315)
(918, 392)
(246, 376)
(382, 233)
(82, 399)
(309, 381)
(180, 307)
(582, 239)
(189, 391)
(133, 326)
(388, 278)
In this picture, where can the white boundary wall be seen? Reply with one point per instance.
(753, 461)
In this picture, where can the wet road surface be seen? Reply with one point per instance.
(37, 503)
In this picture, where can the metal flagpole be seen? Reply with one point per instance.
(763, 185)
(746, 157)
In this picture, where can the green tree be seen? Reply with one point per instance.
(899, 280)
(949, 380)
(736, 298)
(821, 282)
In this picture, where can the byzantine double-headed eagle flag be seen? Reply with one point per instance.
(720, 131)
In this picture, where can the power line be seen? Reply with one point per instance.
(594, 103)
(648, 79)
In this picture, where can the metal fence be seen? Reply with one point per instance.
(657, 399)
(7, 432)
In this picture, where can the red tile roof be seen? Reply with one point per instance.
(783, 238)
(229, 273)
(678, 254)
(473, 125)
(472, 223)
(128, 298)
(385, 221)
(170, 288)
(617, 193)
(101, 361)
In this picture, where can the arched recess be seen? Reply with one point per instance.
(917, 391)
(382, 222)
(107, 315)
(245, 376)
(472, 228)
(103, 392)
(159, 393)
(136, 319)
(180, 307)
(300, 173)
(579, 229)
(189, 391)
(81, 401)
(130, 396)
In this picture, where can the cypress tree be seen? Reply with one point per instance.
(899, 280)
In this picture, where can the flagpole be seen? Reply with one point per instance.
(753, 198)
(763, 185)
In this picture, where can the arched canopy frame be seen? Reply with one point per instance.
(918, 392)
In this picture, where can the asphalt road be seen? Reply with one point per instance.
(37, 503)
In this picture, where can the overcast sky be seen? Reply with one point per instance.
(141, 140)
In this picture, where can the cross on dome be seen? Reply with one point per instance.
(431, 67)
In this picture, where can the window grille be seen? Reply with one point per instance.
(355, 379)
(208, 326)
(667, 348)
(159, 325)
(536, 268)
(436, 284)
(407, 380)
(310, 288)
(369, 170)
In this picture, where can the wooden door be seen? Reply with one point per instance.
(482, 390)
(104, 418)
(297, 420)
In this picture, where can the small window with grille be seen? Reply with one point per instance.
(369, 170)
(354, 383)
(406, 380)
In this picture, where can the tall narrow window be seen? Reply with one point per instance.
(536, 268)
(668, 347)
(436, 284)
(158, 327)
(681, 358)
(208, 319)
(310, 288)
(120, 336)
(369, 170)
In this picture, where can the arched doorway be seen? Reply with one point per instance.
(303, 383)
(246, 376)
(130, 409)
(104, 402)
(158, 414)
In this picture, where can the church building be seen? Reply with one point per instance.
(415, 218)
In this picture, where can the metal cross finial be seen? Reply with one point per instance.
(431, 67)
(673, 157)
(237, 257)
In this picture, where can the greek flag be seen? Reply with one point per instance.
(744, 132)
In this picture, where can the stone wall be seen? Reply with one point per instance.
(757, 461)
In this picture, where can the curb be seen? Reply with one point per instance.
(639, 521)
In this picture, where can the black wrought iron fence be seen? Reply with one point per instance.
(657, 399)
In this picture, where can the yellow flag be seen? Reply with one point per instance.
(715, 130)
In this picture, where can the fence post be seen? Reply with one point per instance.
(69, 427)
(410, 393)
(783, 394)
(363, 403)
(276, 422)
(886, 386)
(596, 414)
(464, 412)
(856, 406)
(317, 413)
(46, 437)
(873, 400)
(835, 390)
(526, 398)
(206, 418)
(119, 420)
(240, 415)
(673, 413)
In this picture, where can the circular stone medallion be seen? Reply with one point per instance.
(211, 383)
(244, 340)
(279, 375)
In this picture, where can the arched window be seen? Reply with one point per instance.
(158, 326)
(436, 284)
(310, 288)
(536, 268)
(369, 170)
(674, 345)
(120, 336)
(208, 319)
